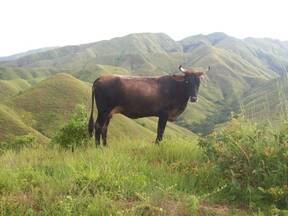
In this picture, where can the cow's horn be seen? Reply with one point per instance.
(182, 69)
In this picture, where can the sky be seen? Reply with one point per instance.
(32, 24)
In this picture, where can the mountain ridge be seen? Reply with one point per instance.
(53, 47)
(22, 54)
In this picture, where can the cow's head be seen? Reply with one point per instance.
(192, 80)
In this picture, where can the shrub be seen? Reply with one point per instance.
(252, 160)
(74, 134)
(17, 142)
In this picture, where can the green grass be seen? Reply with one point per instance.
(86, 174)
(127, 178)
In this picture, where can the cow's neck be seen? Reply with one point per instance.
(180, 101)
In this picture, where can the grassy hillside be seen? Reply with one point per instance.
(92, 71)
(268, 101)
(263, 54)
(19, 72)
(12, 87)
(11, 125)
(9, 88)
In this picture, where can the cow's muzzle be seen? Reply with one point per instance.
(193, 99)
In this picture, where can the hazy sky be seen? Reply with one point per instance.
(30, 24)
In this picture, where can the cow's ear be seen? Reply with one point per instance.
(179, 78)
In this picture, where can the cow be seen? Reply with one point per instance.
(165, 97)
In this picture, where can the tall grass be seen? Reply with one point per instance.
(127, 178)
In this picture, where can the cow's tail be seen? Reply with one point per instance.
(91, 120)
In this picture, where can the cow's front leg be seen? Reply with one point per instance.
(161, 127)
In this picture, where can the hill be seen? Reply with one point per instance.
(49, 103)
(91, 71)
(9, 88)
(237, 66)
(11, 124)
(9, 73)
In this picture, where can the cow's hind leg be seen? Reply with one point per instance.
(161, 127)
(99, 125)
(104, 130)
(97, 130)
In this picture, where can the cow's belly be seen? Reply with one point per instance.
(137, 115)
(143, 106)
(149, 110)
(137, 107)
(132, 112)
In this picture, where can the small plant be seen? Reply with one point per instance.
(74, 134)
(192, 203)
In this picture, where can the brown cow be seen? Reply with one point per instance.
(133, 96)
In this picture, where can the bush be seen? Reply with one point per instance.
(253, 162)
(17, 142)
(74, 134)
